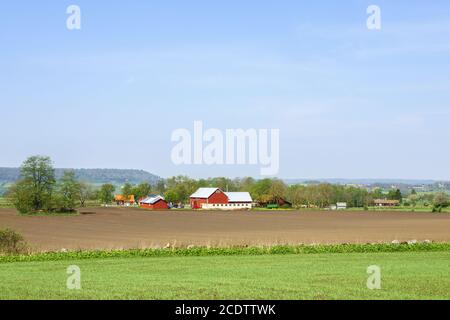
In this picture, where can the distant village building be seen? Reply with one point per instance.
(341, 206)
(338, 206)
(215, 198)
(121, 201)
(386, 203)
(154, 202)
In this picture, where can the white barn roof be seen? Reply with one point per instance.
(239, 197)
(204, 193)
(151, 200)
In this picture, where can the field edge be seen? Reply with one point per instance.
(229, 251)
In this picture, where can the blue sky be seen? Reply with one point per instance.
(350, 102)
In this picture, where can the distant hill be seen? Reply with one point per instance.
(94, 176)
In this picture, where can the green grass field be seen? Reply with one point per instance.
(405, 275)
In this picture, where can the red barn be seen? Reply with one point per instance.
(214, 198)
(208, 196)
(154, 202)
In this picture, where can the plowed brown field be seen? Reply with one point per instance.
(108, 228)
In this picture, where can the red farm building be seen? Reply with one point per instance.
(154, 202)
(216, 199)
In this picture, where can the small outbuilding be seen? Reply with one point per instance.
(386, 203)
(341, 206)
(338, 206)
(120, 200)
(154, 202)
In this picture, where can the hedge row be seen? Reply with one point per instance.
(231, 251)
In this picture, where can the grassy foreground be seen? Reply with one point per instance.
(405, 275)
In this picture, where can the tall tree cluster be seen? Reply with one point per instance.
(39, 191)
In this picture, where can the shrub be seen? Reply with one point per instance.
(440, 201)
(249, 251)
(12, 242)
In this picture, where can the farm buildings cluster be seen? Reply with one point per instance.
(203, 198)
(217, 199)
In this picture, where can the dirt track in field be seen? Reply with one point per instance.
(107, 228)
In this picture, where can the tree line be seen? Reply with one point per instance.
(39, 190)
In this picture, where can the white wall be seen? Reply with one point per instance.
(229, 206)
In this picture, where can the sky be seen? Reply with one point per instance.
(349, 102)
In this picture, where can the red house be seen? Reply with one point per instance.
(154, 202)
(214, 198)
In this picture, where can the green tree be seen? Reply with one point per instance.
(85, 192)
(297, 195)
(183, 186)
(377, 193)
(20, 195)
(106, 193)
(356, 197)
(395, 195)
(413, 199)
(260, 191)
(160, 186)
(68, 192)
(277, 190)
(141, 190)
(127, 190)
(172, 196)
(33, 192)
(441, 200)
(246, 184)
